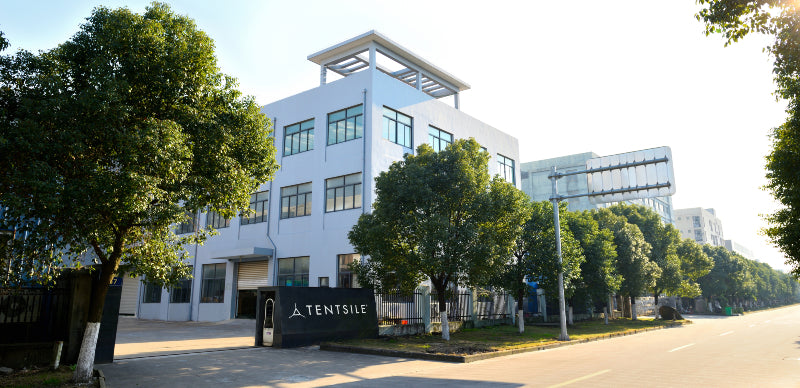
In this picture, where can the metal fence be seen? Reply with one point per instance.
(492, 306)
(458, 307)
(397, 309)
(33, 314)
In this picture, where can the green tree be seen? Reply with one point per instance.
(599, 277)
(512, 276)
(438, 217)
(638, 273)
(734, 19)
(694, 264)
(543, 255)
(728, 279)
(107, 139)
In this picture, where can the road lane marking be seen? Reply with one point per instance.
(726, 333)
(580, 378)
(680, 347)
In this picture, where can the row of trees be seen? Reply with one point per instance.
(439, 217)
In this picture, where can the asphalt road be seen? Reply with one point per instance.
(755, 350)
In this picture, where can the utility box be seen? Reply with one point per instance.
(303, 316)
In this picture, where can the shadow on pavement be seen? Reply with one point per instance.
(402, 381)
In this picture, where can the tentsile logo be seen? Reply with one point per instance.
(296, 312)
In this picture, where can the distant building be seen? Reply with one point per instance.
(701, 225)
(733, 246)
(537, 185)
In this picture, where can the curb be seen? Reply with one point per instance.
(101, 378)
(476, 357)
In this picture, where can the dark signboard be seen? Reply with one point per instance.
(308, 315)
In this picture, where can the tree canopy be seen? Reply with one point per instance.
(735, 19)
(437, 217)
(107, 140)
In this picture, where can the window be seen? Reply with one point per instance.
(698, 235)
(293, 271)
(298, 138)
(216, 221)
(346, 124)
(188, 226)
(696, 221)
(343, 193)
(324, 281)
(259, 205)
(296, 200)
(347, 279)
(439, 139)
(506, 166)
(152, 293)
(213, 288)
(182, 292)
(397, 127)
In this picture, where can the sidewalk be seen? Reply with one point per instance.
(144, 338)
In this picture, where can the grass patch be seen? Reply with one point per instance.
(489, 339)
(42, 377)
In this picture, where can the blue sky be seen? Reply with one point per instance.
(563, 77)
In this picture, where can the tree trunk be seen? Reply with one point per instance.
(85, 367)
(442, 297)
(520, 311)
(655, 296)
(569, 315)
(633, 308)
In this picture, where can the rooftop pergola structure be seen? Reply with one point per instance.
(361, 53)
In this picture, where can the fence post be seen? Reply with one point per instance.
(473, 302)
(510, 308)
(423, 302)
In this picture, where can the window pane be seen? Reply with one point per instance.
(310, 139)
(340, 131)
(336, 116)
(329, 200)
(331, 133)
(301, 205)
(335, 182)
(355, 111)
(359, 127)
(357, 198)
(304, 188)
(308, 204)
(295, 143)
(348, 197)
(386, 124)
(293, 206)
(352, 178)
(301, 263)
(303, 141)
(307, 124)
(339, 198)
(351, 129)
(290, 190)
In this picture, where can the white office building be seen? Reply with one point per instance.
(332, 141)
(537, 184)
(701, 225)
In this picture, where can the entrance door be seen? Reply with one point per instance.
(251, 275)
(246, 304)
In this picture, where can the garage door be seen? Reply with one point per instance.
(253, 274)
(130, 295)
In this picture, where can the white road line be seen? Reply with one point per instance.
(581, 378)
(726, 333)
(680, 347)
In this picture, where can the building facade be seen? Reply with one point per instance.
(538, 186)
(332, 141)
(701, 225)
(733, 246)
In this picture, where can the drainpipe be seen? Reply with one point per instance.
(269, 220)
(364, 156)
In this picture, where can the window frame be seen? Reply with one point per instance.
(151, 293)
(287, 198)
(357, 188)
(188, 226)
(392, 124)
(182, 293)
(212, 289)
(294, 275)
(504, 167)
(216, 221)
(298, 136)
(341, 124)
(255, 201)
(345, 278)
(436, 140)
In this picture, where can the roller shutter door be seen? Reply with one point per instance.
(130, 295)
(253, 274)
